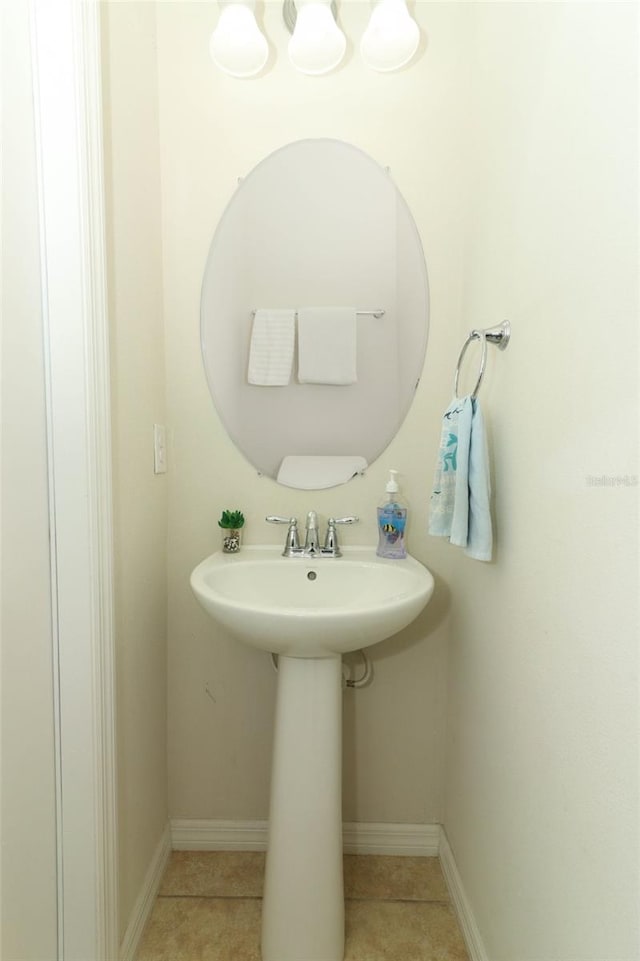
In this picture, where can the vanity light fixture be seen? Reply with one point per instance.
(238, 46)
(391, 38)
(317, 43)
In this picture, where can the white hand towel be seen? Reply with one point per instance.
(480, 535)
(317, 471)
(271, 351)
(327, 345)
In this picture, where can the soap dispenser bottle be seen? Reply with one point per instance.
(392, 521)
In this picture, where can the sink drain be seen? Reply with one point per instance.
(311, 575)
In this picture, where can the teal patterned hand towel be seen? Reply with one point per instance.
(459, 505)
(449, 506)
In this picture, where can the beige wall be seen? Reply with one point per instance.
(28, 810)
(138, 401)
(213, 130)
(542, 753)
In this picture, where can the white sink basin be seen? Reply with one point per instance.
(305, 607)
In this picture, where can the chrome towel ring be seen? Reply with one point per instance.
(495, 335)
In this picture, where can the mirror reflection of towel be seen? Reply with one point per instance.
(327, 345)
(271, 350)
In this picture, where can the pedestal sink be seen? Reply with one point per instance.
(309, 611)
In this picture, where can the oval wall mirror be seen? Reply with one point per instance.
(315, 269)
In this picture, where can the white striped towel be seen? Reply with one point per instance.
(271, 350)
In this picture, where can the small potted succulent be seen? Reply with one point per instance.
(231, 523)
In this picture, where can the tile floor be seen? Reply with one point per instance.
(208, 909)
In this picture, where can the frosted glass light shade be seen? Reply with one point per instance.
(391, 38)
(237, 45)
(318, 44)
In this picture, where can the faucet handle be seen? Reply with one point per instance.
(331, 545)
(292, 543)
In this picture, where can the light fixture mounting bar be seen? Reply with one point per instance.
(290, 13)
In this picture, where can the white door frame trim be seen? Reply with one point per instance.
(68, 111)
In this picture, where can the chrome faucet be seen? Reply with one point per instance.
(311, 547)
(311, 542)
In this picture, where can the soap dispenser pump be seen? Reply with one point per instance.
(392, 521)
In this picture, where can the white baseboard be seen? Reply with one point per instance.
(417, 840)
(461, 905)
(190, 834)
(420, 840)
(146, 898)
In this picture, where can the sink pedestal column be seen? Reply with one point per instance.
(303, 906)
